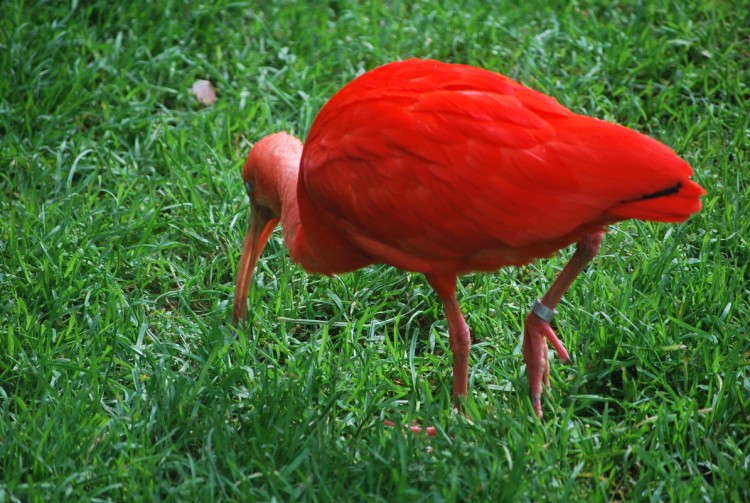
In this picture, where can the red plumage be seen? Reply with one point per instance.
(423, 164)
(446, 169)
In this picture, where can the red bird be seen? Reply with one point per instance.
(447, 169)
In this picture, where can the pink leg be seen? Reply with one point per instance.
(460, 342)
(458, 330)
(537, 331)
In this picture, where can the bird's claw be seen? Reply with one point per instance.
(536, 402)
(415, 428)
(536, 334)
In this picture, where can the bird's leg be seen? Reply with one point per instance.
(460, 342)
(537, 330)
(458, 331)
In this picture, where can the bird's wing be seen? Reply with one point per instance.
(445, 161)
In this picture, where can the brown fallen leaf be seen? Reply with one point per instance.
(204, 92)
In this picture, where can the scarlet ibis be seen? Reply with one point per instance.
(447, 169)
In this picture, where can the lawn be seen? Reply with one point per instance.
(122, 214)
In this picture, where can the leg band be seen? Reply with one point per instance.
(542, 311)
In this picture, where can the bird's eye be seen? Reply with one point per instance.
(249, 188)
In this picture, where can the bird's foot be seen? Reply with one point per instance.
(415, 428)
(536, 334)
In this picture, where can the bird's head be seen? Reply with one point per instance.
(262, 176)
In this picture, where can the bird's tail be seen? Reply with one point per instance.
(634, 175)
(671, 204)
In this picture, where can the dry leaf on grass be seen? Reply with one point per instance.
(204, 92)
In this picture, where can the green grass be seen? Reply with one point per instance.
(123, 210)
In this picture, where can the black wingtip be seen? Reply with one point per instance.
(674, 189)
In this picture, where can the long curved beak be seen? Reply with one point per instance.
(262, 223)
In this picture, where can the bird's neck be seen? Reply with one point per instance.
(290, 219)
(314, 240)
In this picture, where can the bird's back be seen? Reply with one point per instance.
(431, 166)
